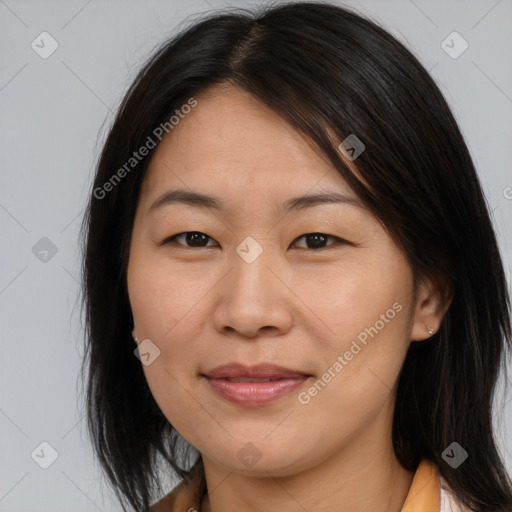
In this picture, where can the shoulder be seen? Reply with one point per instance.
(448, 501)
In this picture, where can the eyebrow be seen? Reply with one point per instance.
(180, 196)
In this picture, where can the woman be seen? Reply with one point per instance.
(286, 219)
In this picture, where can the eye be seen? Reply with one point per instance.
(317, 240)
(193, 238)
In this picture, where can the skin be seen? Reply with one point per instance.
(295, 305)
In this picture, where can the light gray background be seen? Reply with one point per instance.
(54, 114)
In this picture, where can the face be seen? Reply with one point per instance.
(318, 289)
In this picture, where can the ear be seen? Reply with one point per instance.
(433, 299)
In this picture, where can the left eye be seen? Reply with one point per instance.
(317, 240)
(198, 239)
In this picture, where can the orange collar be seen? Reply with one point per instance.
(423, 496)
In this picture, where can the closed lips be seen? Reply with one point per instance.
(237, 372)
(249, 379)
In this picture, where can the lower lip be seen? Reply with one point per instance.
(254, 394)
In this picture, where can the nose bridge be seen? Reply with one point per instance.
(251, 275)
(252, 297)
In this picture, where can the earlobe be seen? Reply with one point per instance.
(422, 331)
(433, 301)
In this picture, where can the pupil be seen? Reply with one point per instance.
(195, 238)
(318, 239)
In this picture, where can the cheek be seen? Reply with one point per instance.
(166, 299)
(365, 314)
(166, 306)
(345, 299)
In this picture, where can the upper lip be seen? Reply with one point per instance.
(260, 371)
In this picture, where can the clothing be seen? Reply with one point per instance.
(429, 492)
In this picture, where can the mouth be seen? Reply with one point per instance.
(254, 386)
(262, 372)
(251, 379)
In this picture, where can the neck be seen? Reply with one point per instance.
(363, 475)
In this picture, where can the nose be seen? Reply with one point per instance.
(253, 299)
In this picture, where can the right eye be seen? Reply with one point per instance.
(196, 239)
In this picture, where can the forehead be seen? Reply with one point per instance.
(233, 144)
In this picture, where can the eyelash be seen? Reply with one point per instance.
(172, 239)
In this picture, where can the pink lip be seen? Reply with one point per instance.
(259, 371)
(253, 394)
